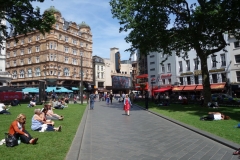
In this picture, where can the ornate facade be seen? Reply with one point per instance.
(54, 57)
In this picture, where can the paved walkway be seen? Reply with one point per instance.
(105, 133)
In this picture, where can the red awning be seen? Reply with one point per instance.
(138, 88)
(199, 87)
(162, 89)
(177, 88)
(189, 88)
(142, 76)
(166, 75)
(218, 86)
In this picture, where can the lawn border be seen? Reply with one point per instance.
(74, 151)
(211, 136)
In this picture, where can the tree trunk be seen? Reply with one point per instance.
(205, 81)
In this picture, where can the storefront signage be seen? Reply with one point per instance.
(198, 72)
(187, 73)
(165, 76)
(217, 70)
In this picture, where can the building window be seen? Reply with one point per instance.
(223, 60)
(8, 55)
(14, 63)
(29, 39)
(21, 75)
(57, 26)
(214, 62)
(51, 57)
(196, 62)
(98, 75)
(169, 67)
(22, 52)
(14, 43)
(152, 62)
(152, 69)
(51, 46)
(29, 72)
(224, 78)
(37, 48)
(238, 76)
(163, 81)
(81, 53)
(74, 61)
(37, 59)
(180, 66)
(188, 65)
(236, 44)
(188, 80)
(38, 38)
(66, 49)
(66, 39)
(196, 80)
(29, 50)
(8, 44)
(81, 44)
(214, 78)
(163, 69)
(66, 59)
(74, 41)
(8, 65)
(181, 80)
(66, 72)
(21, 61)
(101, 68)
(14, 75)
(74, 51)
(237, 58)
(29, 61)
(14, 53)
(169, 81)
(152, 56)
(22, 41)
(37, 72)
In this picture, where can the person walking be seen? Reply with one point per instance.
(127, 104)
(123, 96)
(107, 98)
(92, 97)
(111, 98)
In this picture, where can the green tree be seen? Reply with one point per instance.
(23, 18)
(177, 26)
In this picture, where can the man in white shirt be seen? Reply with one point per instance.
(3, 109)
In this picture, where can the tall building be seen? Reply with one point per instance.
(54, 57)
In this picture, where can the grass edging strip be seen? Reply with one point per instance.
(74, 151)
(196, 130)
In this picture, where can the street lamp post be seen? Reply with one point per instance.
(81, 88)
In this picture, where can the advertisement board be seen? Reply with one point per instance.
(119, 82)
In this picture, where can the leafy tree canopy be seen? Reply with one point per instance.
(23, 18)
(176, 26)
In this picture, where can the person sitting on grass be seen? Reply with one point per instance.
(32, 103)
(215, 116)
(17, 128)
(15, 102)
(58, 104)
(3, 109)
(38, 121)
(50, 115)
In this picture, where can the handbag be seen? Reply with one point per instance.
(10, 140)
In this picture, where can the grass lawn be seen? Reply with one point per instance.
(51, 145)
(190, 114)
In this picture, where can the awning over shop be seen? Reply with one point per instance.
(189, 88)
(177, 88)
(138, 87)
(199, 87)
(162, 89)
(218, 85)
(142, 76)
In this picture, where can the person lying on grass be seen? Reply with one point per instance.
(17, 128)
(215, 116)
(38, 121)
(50, 115)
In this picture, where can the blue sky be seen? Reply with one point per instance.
(97, 14)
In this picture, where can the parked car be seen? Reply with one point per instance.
(224, 97)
